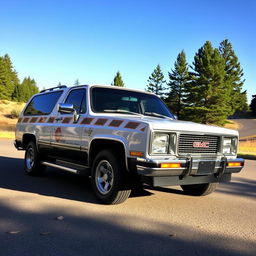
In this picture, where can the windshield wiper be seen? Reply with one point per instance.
(121, 111)
(155, 114)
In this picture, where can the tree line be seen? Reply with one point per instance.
(208, 91)
(10, 86)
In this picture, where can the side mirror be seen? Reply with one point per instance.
(65, 108)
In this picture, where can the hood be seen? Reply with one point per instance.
(182, 126)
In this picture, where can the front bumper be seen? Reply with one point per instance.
(17, 145)
(190, 170)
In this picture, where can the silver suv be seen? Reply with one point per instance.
(123, 138)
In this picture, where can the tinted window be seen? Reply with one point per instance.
(42, 104)
(123, 101)
(78, 99)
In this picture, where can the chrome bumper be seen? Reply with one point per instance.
(189, 167)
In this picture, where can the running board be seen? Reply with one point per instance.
(60, 167)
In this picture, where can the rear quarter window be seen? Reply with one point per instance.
(42, 104)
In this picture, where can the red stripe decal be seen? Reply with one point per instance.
(101, 121)
(33, 120)
(66, 120)
(87, 120)
(116, 123)
(25, 120)
(132, 125)
(51, 120)
(42, 120)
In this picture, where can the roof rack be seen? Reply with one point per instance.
(54, 88)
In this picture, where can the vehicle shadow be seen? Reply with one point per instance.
(239, 186)
(53, 182)
(108, 233)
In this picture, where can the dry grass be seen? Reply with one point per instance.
(247, 147)
(232, 125)
(9, 112)
(7, 135)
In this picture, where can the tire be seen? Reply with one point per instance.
(109, 179)
(199, 189)
(32, 160)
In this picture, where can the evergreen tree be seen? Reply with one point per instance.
(156, 82)
(118, 80)
(233, 78)
(253, 105)
(8, 78)
(25, 90)
(207, 96)
(179, 78)
(77, 82)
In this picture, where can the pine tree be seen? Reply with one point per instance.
(179, 78)
(8, 78)
(156, 82)
(234, 77)
(77, 82)
(25, 90)
(253, 105)
(207, 96)
(118, 80)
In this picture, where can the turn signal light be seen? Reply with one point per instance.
(234, 164)
(136, 153)
(170, 165)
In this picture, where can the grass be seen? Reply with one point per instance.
(9, 112)
(232, 125)
(247, 147)
(7, 135)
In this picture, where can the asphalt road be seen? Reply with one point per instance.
(160, 221)
(247, 127)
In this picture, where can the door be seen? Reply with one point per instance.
(67, 133)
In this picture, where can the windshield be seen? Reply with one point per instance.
(108, 100)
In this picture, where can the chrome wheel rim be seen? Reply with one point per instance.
(104, 177)
(30, 158)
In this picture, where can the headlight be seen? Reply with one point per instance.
(160, 143)
(229, 146)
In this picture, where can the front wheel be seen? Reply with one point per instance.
(199, 189)
(109, 179)
(32, 160)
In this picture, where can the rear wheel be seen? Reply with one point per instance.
(110, 181)
(199, 189)
(32, 160)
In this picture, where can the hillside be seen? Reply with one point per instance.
(9, 112)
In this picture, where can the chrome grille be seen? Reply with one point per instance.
(187, 144)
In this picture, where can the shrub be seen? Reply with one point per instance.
(15, 113)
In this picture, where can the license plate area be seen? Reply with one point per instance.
(206, 167)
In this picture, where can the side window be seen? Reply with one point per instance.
(78, 99)
(42, 104)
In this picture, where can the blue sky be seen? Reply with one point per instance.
(54, 41)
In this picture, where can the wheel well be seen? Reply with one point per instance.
(101, 144)
(27, 138)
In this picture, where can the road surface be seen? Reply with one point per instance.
(160, 221)
(247, 127)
